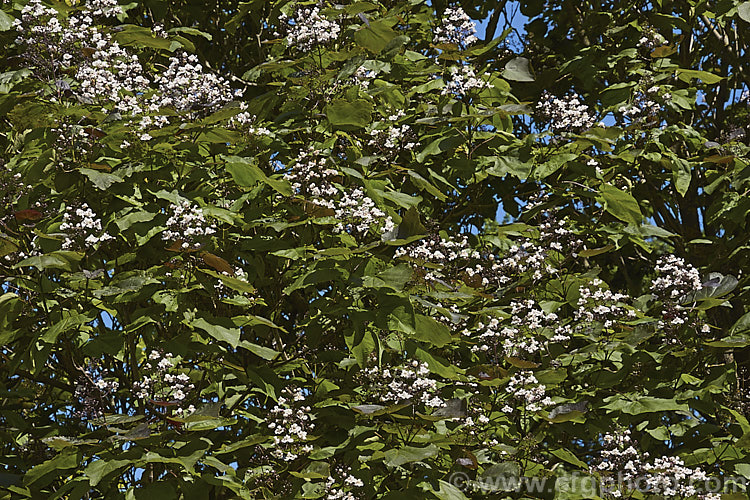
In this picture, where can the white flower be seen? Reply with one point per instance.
(463, 80)
(455, 28)
(567, 114)
(309, 29)
(83, 228)
(187, 223)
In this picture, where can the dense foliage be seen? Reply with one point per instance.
(351, 250)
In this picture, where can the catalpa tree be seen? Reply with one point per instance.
(361, 250)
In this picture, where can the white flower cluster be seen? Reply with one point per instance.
(624, 469)
(558, 237)
(526, 389)
(407, 383)
(48, 42)
(309, 28)
(312, 179)
(73, 143)
(247, 120)
(453, 257)
(187, 223)
(94, 392)
(290, 421)
(531, 255)
(185, 86)
(358, 214)
(395, 138)
(106, 72)
(602, 305)
(12, 189)
(525, 256)
(567, 114)
(340, 487)
(162, 384)
(362, 77)
(439, 250)
(83, 228)
(456, 28)
(529, 332)
(103, 8)
(676, 279)
(239, 274)
(109, 74)
(618, 460)
(463, 80)
(651, 39)
(643, 104)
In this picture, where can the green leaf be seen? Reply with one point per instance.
(229, 335)
(644, 404)
(568, 456)
(432, 331)
(361, 344)
(141, 37)
(128, 220)
(411, 225)
(714, 285)
(244, 443)
(732, 342)
(375, 36)
(396, 457)
(69, 458)
(116, 419)
(504, 476)
(449, 142)
(98, 469)
(574, 486)
(6, 21)
(394, 277)
(191, 31)
(140, 431)
(402, 319)
(231, 282)
(9, 79)
(689, 74)
(518, 69)
(69, 321)
(314, 470)
(445, 491)
(742, 325)
(682, 174)
(426, 185)
(743, 469)
(568, 412)
(620, 204)
(246, 173)
(553, 164)
(743, 10)
(357, 113)
(510, 165)
(260, 351)
(591, 252)
(60, 259)
(101, 180)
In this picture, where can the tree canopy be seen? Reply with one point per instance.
(344, 250)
